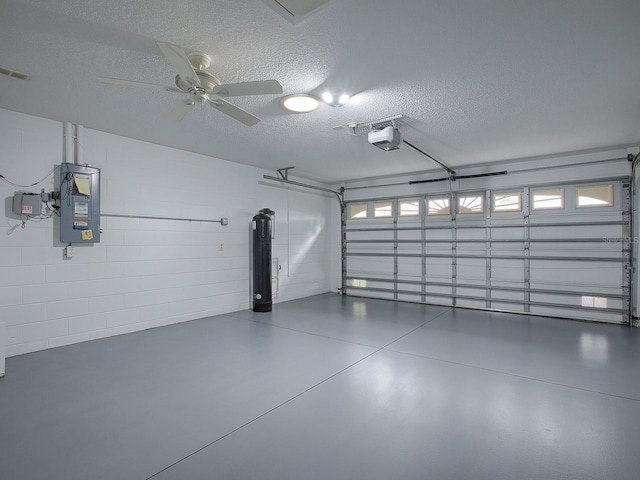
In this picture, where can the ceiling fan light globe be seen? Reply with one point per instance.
(300, 103)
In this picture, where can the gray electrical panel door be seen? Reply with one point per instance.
(79, 204)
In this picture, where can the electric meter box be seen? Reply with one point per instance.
(27, 203)
(79, 204)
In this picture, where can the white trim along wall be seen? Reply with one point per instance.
(145, 273)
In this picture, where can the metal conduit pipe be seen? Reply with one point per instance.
(68, 145)
(73, 138)
(79, 156)
(222, 221)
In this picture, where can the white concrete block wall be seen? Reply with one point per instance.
(146, 273)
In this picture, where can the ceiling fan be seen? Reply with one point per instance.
(193, 79)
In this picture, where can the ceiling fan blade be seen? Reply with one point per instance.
(117, 81)
(180, 62)
(180, 110)
(234, 112)
(260, 87)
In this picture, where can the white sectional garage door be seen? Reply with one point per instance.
(558, 250)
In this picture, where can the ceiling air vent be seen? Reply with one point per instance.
(297, 10)
(14, 74)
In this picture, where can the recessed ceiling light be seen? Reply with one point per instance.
(335, 100)
(300, 103)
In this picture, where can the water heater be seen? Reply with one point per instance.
(261, 245)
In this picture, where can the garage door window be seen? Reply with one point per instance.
(438, 206)
(594, 196)
(471, 204)
(409, 208)
(382, 210)
(548, 199)
(358, 210)
(507, 202)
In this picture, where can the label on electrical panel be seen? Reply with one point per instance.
(87, 234)
(26, 209)
(80, 226)
(80, 209)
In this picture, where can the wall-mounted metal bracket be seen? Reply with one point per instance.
(284, 172)
(366, 127)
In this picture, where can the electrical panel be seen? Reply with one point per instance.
(79, 204)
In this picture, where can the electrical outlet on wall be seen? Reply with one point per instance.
(221, 248)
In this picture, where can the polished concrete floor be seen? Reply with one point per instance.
(331, 387)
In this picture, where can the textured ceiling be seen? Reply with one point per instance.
(477, 80)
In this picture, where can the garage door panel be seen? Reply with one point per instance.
(571, 232)
(597, 316)
(569, 251)
(374, 235)
(544, 272)
(510, 307)
(410, 234)
(468, 303)
(438, 268)
(375, 294)
(497, 295)
(568, 262)
(507, 233)
(437, 300)
(476, 249)
(470, 234)
(476, 282)
(507, 271)
(409, 270)
(438, 248)
(409, 249)
(471, 269)
(365, 266)
(438, 234)
(433, 290)
(471, 292)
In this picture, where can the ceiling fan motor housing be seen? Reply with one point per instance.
(207, 83)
